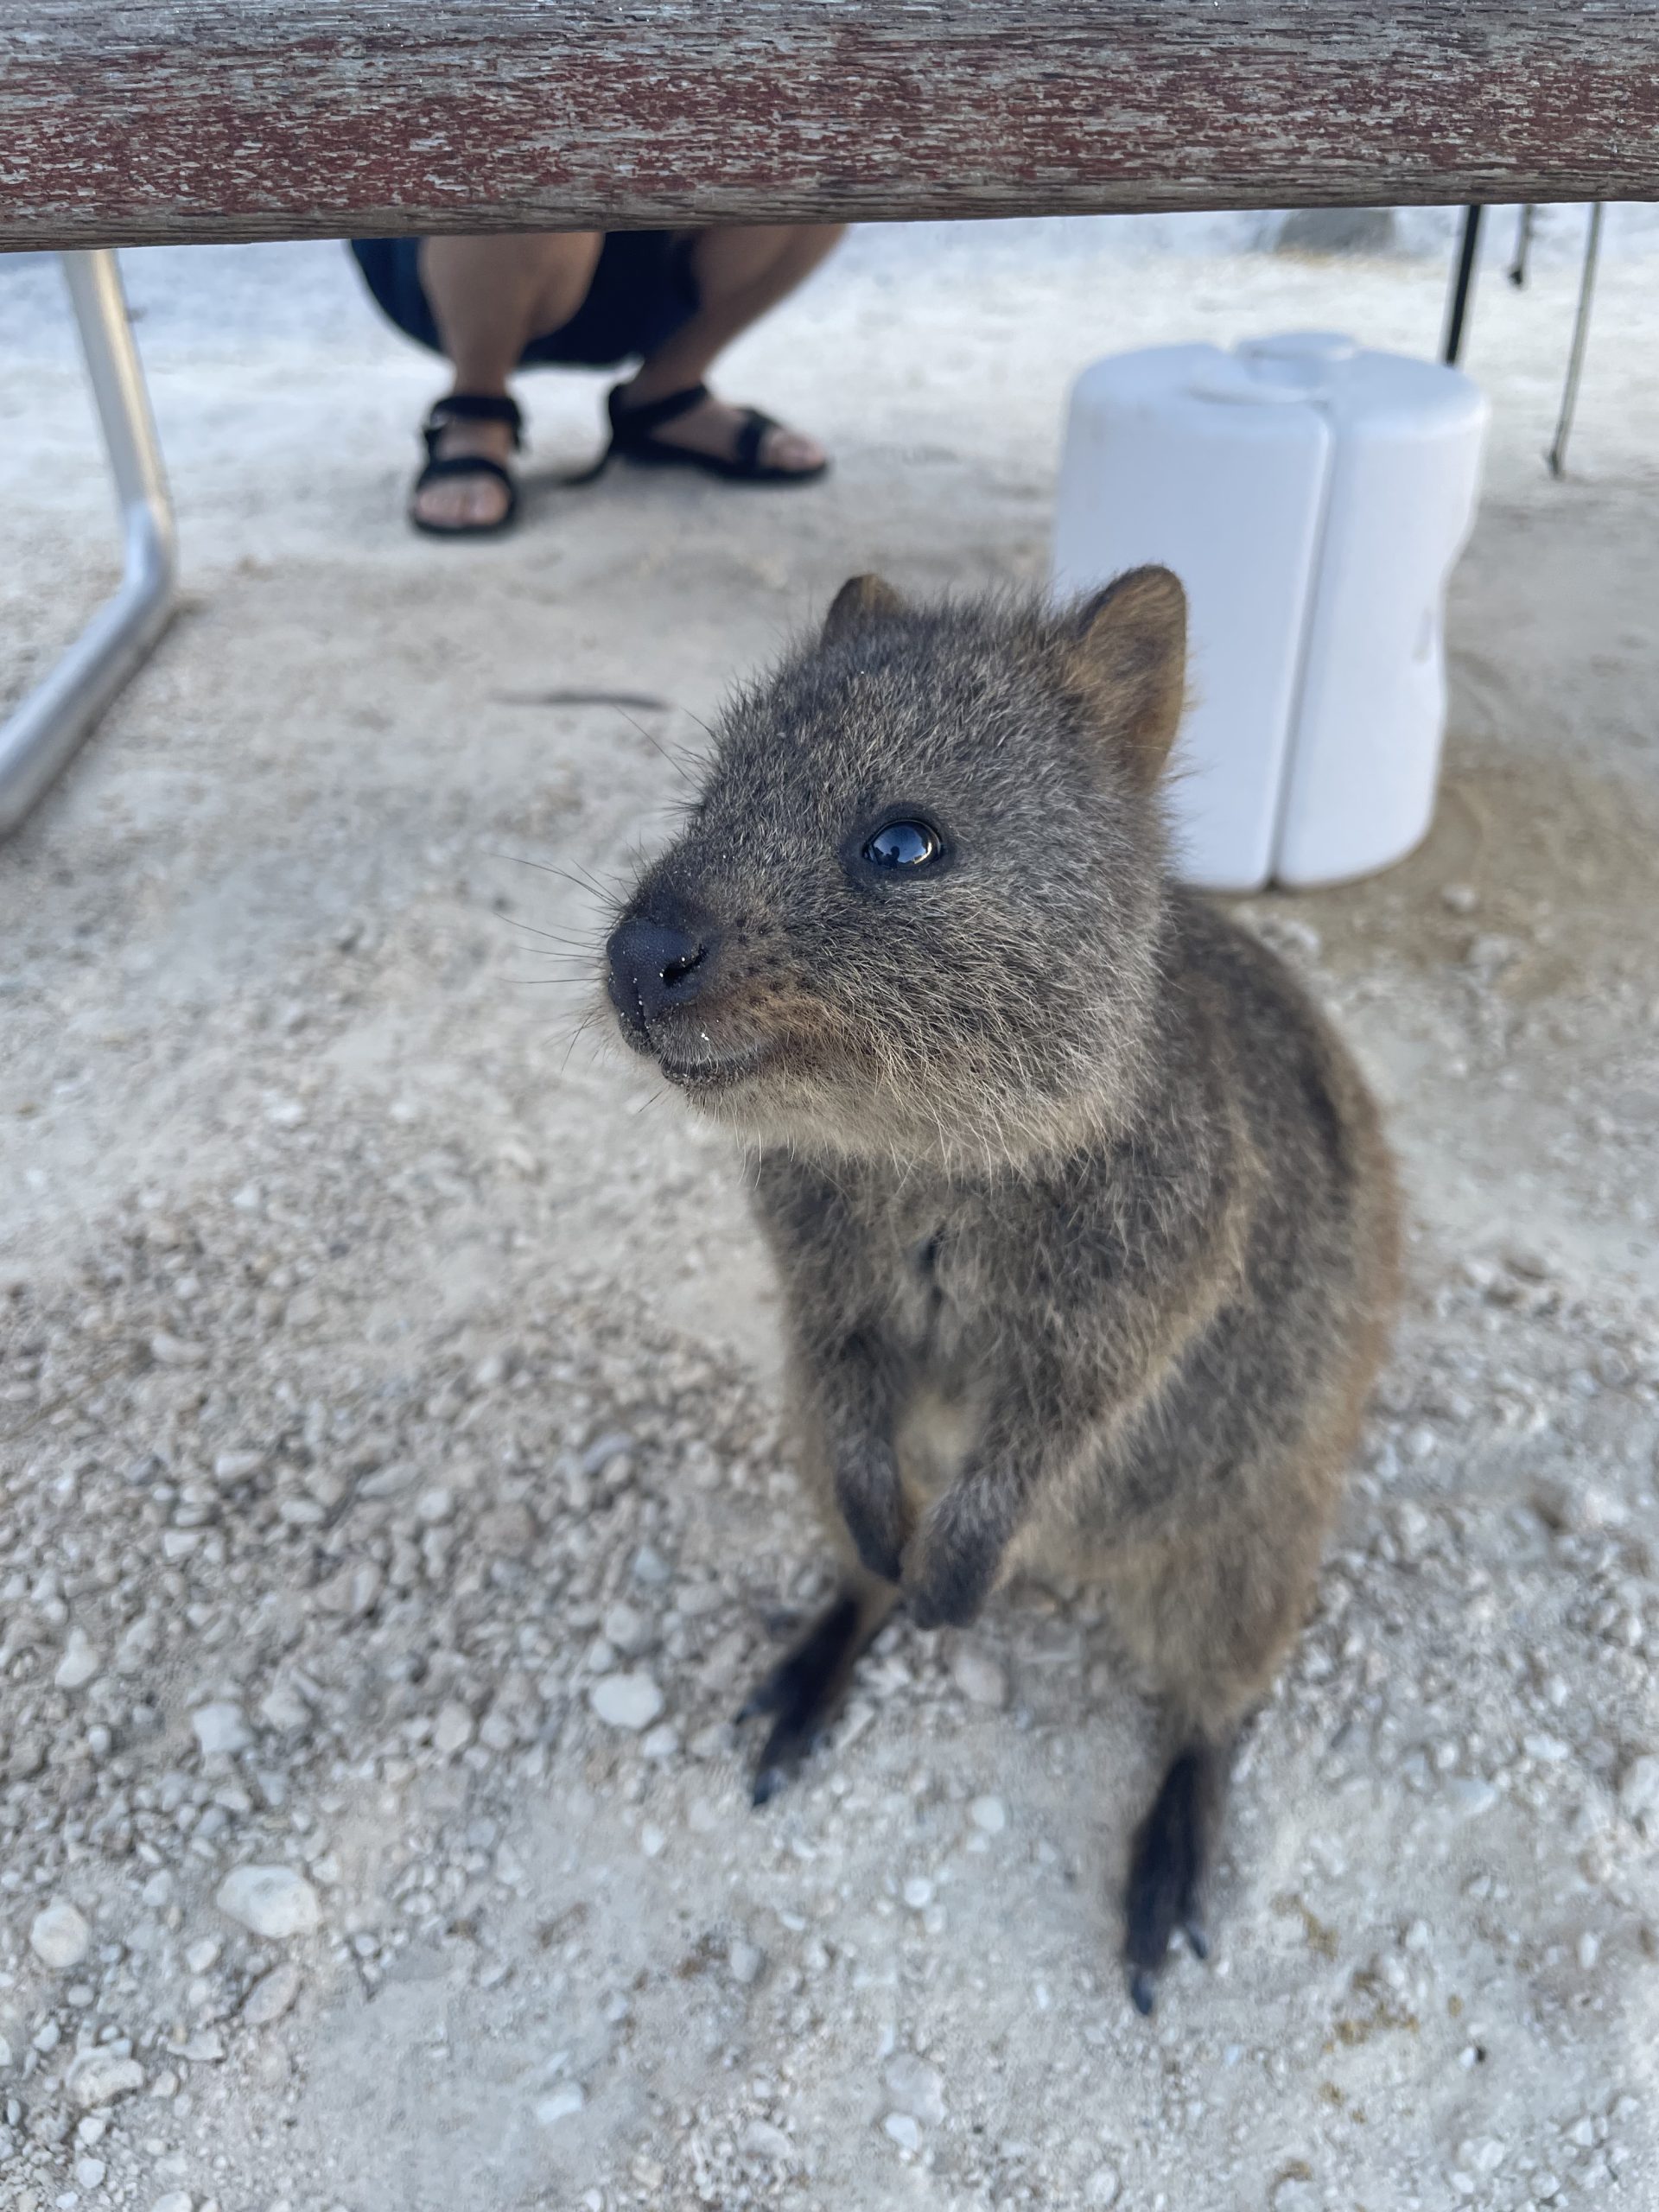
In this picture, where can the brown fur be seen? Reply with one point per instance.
(1084, 1222)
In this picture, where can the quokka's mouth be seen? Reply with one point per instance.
(711, 1070)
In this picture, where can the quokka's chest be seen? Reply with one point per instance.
(932, 1274)
(929, 1346)
(922, 1274)
(915, 1290)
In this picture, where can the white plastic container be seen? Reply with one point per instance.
(1313, 498)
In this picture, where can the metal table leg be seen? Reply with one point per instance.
(1557, 454)
(1457, 312)
(39, 739)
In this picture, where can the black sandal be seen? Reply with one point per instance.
(467, 407)
(631, 438)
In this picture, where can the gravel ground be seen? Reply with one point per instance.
(395, 1506)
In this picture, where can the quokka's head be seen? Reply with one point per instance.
(916, 909)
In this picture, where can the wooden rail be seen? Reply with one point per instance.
(138, 121)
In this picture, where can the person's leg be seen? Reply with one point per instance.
(741, 271)
(490, 296)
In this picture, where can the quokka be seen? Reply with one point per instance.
(1086, 1226)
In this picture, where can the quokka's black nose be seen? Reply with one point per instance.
(655, 966)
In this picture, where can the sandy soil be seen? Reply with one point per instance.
(389, 1390)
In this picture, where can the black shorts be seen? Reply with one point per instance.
(643, 292)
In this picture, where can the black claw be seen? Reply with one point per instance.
(1143, 1990)
(1197, 1941)
(768, 1781)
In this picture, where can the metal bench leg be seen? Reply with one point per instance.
(38, 741)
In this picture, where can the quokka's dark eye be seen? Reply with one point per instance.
(904, 844)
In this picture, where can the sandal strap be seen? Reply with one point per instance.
(751, 437)
(464, 464)
(633, 434)
(633, 425)
(472, 407)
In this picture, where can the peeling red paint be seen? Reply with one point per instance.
(122, 122)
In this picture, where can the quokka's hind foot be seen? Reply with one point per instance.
(803, 1692)
(1168, 1861)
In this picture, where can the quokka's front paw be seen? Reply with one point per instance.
(945, 1585)
(942, 1607)
(874, 1515)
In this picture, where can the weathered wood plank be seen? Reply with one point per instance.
(135, 121)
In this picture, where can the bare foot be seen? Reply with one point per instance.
(713, 427)
(468, 502)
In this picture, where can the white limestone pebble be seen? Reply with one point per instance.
(168, 1351)
(271, 1996)
(743, 1962)
(101, 2077)
(915, 2087)
(1639, 1791)
(282, 1708)
(981, 1681)
(615, 1444)
(271, 1901)
(236, 1466)
(559, 2104)
(626, 1628)
(79, 1663)
(762, 2140)
(988, 1814)
(631, 1701)
(221, 1729)
(902, 2130)
(59, 1936)
(453, 1729)
(1469, 1796)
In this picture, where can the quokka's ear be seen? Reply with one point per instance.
(1127, 659)
(860, 600)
